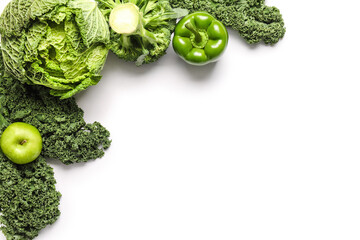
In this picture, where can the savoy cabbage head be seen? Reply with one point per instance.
(60, 44)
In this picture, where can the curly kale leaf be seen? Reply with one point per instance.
(83, 144)
(66, 136)
(254, 20)
(28, 198)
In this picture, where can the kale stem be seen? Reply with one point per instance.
(195, 31)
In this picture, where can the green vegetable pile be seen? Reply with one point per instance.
(254, 20)
(53, 49)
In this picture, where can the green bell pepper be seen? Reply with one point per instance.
(199, 38)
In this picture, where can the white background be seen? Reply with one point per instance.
(262, 145)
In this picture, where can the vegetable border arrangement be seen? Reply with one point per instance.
(53, 49)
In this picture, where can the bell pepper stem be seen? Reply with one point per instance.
(191, 28)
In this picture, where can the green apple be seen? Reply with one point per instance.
(21, 142)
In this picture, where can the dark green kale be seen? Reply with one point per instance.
(28, 198)
(254, 20)
(66, 136)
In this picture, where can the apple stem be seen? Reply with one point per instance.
(23, 142)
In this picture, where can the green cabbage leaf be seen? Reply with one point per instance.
(60, 44)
